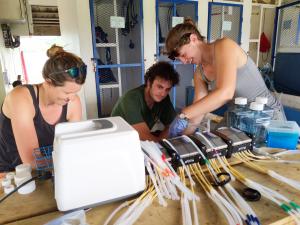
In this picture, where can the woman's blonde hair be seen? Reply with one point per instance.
(60, 61)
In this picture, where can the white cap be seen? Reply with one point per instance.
(262, 100)
(26, 167)
(28, 188)
(256, 106)
(240, 101)
(21, 178)
(6, 182)
(9, 188)
(10, 175)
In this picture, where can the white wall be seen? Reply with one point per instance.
(149, 32)
(86, 53)
(75, 28)
(203, 16)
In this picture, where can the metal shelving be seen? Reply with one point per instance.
(224, 20)
(118, 67)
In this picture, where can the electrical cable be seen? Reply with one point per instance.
(268, 193)
(134, 206)
(159, 194)
(123, 205)
(247, 210)
(44, 176)
(287, 152)
(229, 212)
(244, 158)
(156, 155)
(194, 207)
(265, 157)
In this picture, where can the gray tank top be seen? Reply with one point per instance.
(250, 84)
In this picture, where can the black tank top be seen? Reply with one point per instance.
(9, 155)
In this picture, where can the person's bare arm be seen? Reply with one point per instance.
(144, 132)
(74, 110)
(200, 91)
(226, 68)
(19, 108)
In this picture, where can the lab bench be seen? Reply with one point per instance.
(39, 207)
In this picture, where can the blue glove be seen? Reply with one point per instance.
(177, 127)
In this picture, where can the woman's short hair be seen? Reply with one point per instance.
(55, 68)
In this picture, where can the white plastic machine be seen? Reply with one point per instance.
(95, 162)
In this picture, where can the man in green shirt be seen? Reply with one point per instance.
(149, 106)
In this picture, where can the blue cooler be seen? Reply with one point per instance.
(282, 134)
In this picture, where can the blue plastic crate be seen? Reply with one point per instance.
(43, 158)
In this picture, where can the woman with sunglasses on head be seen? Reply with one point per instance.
(224, 71)
(30, 112)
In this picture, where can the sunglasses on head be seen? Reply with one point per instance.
(74, 72)
(184, 39)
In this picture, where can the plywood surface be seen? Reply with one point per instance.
(268, 212)
(17, 206)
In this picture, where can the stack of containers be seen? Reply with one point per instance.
(255, 122)
(23, 174)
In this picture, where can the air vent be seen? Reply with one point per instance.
(45, 20)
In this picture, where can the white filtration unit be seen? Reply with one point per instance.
(95, 162)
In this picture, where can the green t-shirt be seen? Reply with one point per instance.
(132, 107)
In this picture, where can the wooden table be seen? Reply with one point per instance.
(18, 207)
(39, 207)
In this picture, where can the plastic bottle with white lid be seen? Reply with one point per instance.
(255, 123)
(236, 111)
(267, 109)
(259, 117)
